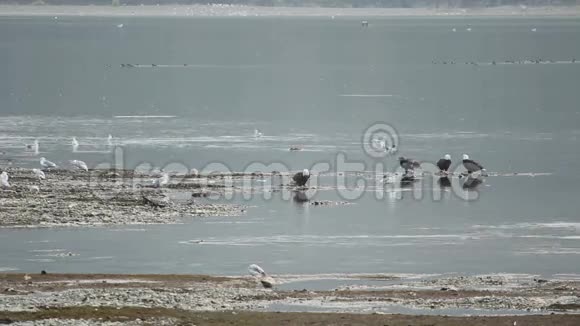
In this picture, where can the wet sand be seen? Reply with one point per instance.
(249, 11)
(209, 300)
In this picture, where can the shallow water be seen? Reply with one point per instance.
(317, 83)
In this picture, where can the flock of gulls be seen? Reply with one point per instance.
(47, 165)
(162, 178)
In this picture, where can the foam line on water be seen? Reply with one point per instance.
(537, 225)
(144, 116)
(343, 240)
(559, 251)
(366, 95)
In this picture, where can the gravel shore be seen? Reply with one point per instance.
(163, 297)
(106, 197)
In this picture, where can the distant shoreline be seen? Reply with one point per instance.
(248, 11)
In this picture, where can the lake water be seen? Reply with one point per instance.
(319, 83)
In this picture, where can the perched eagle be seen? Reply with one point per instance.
(409, 164)
(444, 163)
(471, 165)
(301, 178)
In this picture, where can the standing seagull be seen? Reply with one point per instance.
(471, 165)
(46, 164)
(79, 165)
(444, 163)
(409, 164)
(258, 272)
(39, 174)
(110, 140)
(161, 181)
(4, 180)
(257, 133)
(75, 144)
(301, 178)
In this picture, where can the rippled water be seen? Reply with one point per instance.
(319, 84)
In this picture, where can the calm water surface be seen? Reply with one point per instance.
(294, 79)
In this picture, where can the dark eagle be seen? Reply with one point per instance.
(409, 164)
(444, 163)
(301, 178)
(471, 165)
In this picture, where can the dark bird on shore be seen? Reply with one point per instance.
(409, 164)
(470, 165)
(444, 163)
(301, 178)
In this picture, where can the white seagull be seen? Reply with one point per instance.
(46, 164)
(39, 174)
(258, 272)
(4, 180)
(161, 181)
(74, 143)
(257, 133)
(79, 165)
(110, 140)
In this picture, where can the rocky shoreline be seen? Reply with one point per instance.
(155, 299)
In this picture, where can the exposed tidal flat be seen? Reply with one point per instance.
(125, 197)
(56, 299)
(104, 197)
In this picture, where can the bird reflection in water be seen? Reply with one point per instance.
(444, 182)
(408, 180)
(300, 197)
(471, 183)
